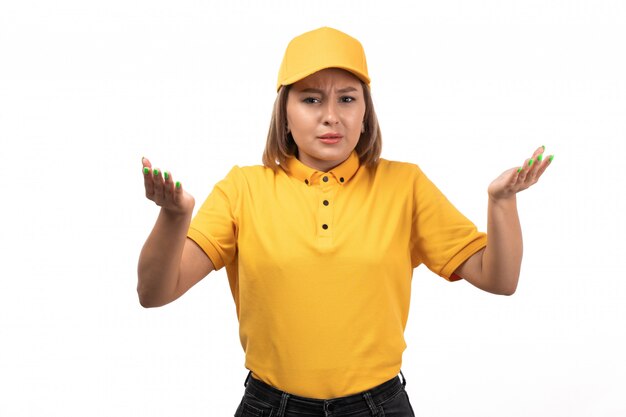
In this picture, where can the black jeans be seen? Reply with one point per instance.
(388, 399)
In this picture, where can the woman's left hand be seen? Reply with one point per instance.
(514, 180)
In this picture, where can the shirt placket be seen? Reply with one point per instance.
(325, 227)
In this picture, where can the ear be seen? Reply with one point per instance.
(363, 127)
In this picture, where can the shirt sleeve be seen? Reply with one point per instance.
(214, 227)
(442, 238)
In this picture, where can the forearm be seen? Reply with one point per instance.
(159, 261)
(502, 258)
(496, 268)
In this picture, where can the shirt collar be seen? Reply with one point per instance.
(342, 173)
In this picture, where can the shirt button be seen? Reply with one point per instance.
(325, 179)
(341, 179)
(324, 226)
(306, 182)
(325, 202)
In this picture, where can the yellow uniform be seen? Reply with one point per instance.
(320, 266)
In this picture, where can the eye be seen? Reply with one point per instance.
(311, 100)
(347, 99)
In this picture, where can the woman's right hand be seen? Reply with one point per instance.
(161, 188)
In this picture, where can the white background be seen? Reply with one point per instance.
(466, 89)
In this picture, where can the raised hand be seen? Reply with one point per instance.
(517, 179)
(161, 188)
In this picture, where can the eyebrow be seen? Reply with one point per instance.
(317, 90)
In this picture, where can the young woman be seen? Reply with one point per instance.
(320, 242)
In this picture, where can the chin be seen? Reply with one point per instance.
(334, 156)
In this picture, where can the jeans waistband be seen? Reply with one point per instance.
(370, 399)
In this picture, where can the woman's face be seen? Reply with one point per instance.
(325, 114)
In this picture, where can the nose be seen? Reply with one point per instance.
(330, 113)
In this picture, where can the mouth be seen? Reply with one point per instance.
(330, 138)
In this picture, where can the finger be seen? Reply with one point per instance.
(168, 186)
(146, 162)
(158, 186)
(531, 176)
(538, 151)
(540, 165)
(524, 169)
(544, 165)
(178, 192)
(535, 162)
(148, 181)
(537, 155)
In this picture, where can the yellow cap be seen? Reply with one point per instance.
(319, 49)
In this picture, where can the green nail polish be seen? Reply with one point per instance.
(519, 169)
(531, 162)
(146, 170)
(544, 147)
(539, 158)
(166, 175)
(155, 172)
(551, 157)
(177, 184)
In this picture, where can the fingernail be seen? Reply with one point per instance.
(519, 169)
(531, 162)
(551, 157)
(155, 172)
(540, 158)
(544, 147)
(177, 184)
(146, 170)
(166, 175)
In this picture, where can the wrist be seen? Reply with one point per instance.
(176, 215)
(507, 201)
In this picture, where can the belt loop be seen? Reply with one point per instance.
(403, 378)
(245, 383)
(370, 403)
(283, 404)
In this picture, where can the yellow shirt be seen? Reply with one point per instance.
(320, 266)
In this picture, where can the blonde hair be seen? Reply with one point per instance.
(280, 144)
